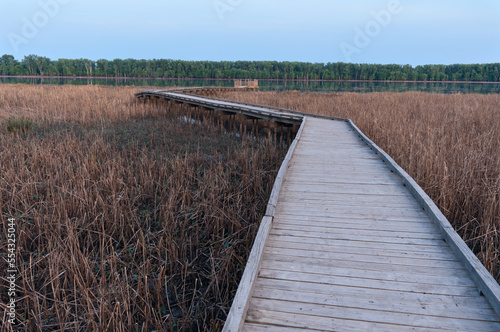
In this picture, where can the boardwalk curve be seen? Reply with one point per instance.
(350, 242)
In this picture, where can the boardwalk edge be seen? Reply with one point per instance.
(239, 308)
(485, 282)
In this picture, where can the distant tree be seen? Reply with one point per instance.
(42, 63)
(7, 63)
(29, 62)
(36, 65)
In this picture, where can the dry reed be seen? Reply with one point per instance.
(450, 144)
(127, 217)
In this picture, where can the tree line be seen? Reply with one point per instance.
(164, 68)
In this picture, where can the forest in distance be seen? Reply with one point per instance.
(35, 65)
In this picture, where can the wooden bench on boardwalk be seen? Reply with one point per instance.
(350, 242)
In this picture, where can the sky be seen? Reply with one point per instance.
(414, 32)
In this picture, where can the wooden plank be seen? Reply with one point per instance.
(359, 231)
(436, 308)
(370, 184)
(361, 159)
(343, 197)
(446, 255)
(373, 294)
(311, 184)
(343, 189)
(367, 258)
(353, 217)
(398, 226)
(374, 202)
(370, 212)
(352, 207)
(356, 272)
(350, 203)
(249, 327)
(353, 237)
(339, 161)
(346, 264)
(319, 311)
(334, 173)
(307, 322)
(369, 283)
(350, 214)
(359, 243)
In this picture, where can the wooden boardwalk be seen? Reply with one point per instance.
(350, 243)
(350, 249)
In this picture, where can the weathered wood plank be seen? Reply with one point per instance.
(373, 294)
(353, 217)
(373, 316)
(342, 188)
(359, 243)
(338, 211)
(387, 203)
(359, 231)
(249, 327)
(354, 237)
(355, 224)
(436, 308)
(355, 272)
(369, 283)
(307, 322)
(438, 256)
(347, 264)
(367, 258)
(346, 198)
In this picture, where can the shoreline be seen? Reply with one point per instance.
(230, 79)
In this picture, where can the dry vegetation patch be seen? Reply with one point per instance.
(127, 217)
(450, 144)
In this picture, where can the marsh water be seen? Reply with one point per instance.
(273, 85)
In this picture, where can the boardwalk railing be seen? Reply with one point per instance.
(485, 282)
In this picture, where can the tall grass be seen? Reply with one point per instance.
(127, 217)
(450, 144)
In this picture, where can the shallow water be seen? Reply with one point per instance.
(274, 85)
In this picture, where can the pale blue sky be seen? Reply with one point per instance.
(417, 31)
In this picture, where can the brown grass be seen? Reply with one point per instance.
(127, 218)
(450, 144)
